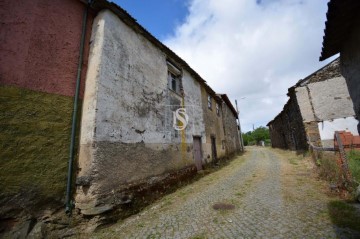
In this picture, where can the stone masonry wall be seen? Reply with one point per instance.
(213, 127)
(232, 139)
(287, 130)
(297, 139)
(277, 134)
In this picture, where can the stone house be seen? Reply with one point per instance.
(231, 128)
(215, 137)
(342, 35)
(135, 98)
(318, 106)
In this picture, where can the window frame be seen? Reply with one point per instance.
(217, 107)
(209, 100)
(173, 82)
(174, 78)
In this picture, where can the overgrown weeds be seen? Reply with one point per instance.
(354, 164)
(344, 215)
(327, 167)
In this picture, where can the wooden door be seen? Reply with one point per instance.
(213, 149)
(197, 152)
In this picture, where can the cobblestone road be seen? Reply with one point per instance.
(274, 193)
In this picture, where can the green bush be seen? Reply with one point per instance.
(354, 164)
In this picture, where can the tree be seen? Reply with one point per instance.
(248, 138)
(261, 134)
(254, 137)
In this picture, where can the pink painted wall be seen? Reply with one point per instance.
(39, 44)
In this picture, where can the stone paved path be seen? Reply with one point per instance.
(274, 193)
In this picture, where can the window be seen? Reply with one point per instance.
(173, 82)
(176, 133)
(209, 102)
(217, 109)
(174, 78)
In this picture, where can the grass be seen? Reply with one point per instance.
(354, 164)
(293, 161)
(239, 194)
(154, 236)
(344, 215)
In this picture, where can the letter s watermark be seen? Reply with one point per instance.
(180, 115)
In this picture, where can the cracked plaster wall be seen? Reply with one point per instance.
(127, 134)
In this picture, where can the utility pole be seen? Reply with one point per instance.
(240, 134)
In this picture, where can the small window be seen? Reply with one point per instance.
(173, 82)
(217, 109)
(176, 134)
(209, 102)
(174, 78)
(223, 144)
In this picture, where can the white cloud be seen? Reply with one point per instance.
(252, 50)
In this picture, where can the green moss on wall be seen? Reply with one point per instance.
(34, 142)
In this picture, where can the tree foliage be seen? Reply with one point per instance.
(257, 135)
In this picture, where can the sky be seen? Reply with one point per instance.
(252, 50)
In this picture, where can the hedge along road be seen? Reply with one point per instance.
(265, 193)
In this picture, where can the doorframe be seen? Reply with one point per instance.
(213, 148)
(201, 151)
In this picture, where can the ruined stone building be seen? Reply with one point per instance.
(318, 106)
(342, 35)
(135, 96)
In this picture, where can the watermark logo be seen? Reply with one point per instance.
(180, 119)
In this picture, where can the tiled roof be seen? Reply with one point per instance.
(340, 20)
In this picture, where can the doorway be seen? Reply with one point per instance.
(197, 152)
(213, 149)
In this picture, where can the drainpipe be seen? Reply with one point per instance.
(68, 202)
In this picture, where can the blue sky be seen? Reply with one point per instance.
(252, 50)
(159, 17)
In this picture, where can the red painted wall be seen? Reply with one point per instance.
(39, 44)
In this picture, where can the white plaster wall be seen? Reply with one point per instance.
(328, 100)
(132, 86)
(192, 99)
(127, 95)
(91, 87)
(88, 118)
(331, 99)
(328, 128)
(131, 101)
(303, 99)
